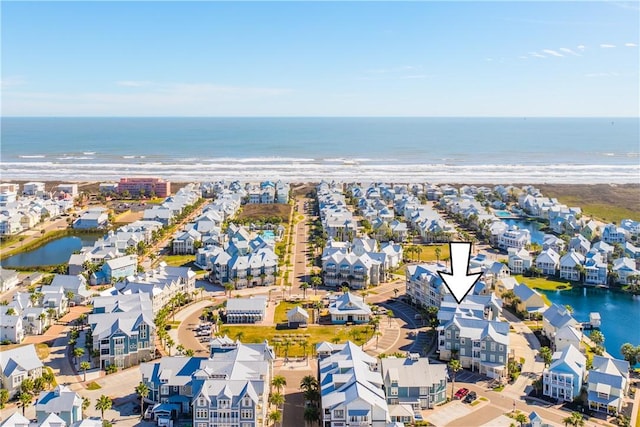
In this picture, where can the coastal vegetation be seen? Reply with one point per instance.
(545, 283)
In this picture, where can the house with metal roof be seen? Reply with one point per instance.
(608, 384)
(351, 389)
(297, 317)
(413, 381)
(563, 379)
(349, 308)
(16, 365)
(554, 318)
(62, 401)
(246, 310)
(530, 300)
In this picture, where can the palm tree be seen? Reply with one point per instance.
(103, 403)
(305, 345)
(454, 367)
(143, 391)
(390, 315)
(279, 382)
(438, 252)
(10, 311)
(170, 344)
(547, 355)
(521, 418)
(309, 382)
(85, 405)
(239, 335)
(316, 282)
(228, 287)
(84, 366)
(275, 416)
(24, 400)
(578, 419)
(276, 399)
(597, 337)
(180, 349)
(311, 414)
(78, 353)
(304, 286)
(567, 421)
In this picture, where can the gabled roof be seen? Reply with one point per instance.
(350, 303)
(20, 359)
(569, 358)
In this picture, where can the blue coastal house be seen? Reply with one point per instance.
(123, 330)
(563, 379)
(61, 401)
(115, 269)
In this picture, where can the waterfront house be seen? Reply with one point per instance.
(566, 336)
(604, 249)
(625, 268)
(349, 308)
(565, 375)
(519, 260)
(123, 330)
(608, 384)
(351, 389)
(60, 401)
(548, 261)
(505, 284)
(115, 269)
(413, 381)
(514, 238)
(571, 264)
(595, 268)
(17, 364)
(554, 318)
(481, 345)
(246, 310)
(530, 300)
(92, 218)
(8, 279)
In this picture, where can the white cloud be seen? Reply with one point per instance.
(523, 57)
(630, 45)
(569, 51)
(552, 53)
(607, 46)
(581, 47)
(536, 55)
(12, 81)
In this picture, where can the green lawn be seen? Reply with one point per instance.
(544, 283)
(280, 315)
(427, 253)
(313, 335)
(182, 261)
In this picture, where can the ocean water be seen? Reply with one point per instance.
(455, 150)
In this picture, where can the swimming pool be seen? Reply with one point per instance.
(268, 235)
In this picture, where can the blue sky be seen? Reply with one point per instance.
(320, 58)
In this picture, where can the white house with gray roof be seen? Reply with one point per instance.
(246, 310)
(16, 365)
(349, 308)
(556, 317)
(530, 300)
(74, 286)
(8, 279)
(61, 401)
(548, 261)
(351, 389)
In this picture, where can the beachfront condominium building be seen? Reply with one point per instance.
(424, 285)
(481, 345)
(123, 330)
(145, 186)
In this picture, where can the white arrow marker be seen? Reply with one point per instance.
(459, 281)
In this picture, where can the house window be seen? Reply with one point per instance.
(462, 341)
(501, 347)
(202, 413)
(175, 388)
(492, 358)
(449, 334)
(493, 346)
(143, 331)
(246, 414)
(201, 402)
(424, 390)
(246, 402)
(164, 389)
(394, 391)
(338, 413)
(462, 352)
(501, 359)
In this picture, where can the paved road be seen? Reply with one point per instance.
(300, 247)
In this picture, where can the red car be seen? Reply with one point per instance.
(461, 393)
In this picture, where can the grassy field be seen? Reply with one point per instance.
(313, 335)
(280, 315)
(255, 212)
(182, 261)
(544, 283)
(603, 201)
(427, 252)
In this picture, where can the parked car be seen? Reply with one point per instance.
(470, 397)
(461, 393)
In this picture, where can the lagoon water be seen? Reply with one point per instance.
(620, 313)
(54, 252)
(537, 236)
